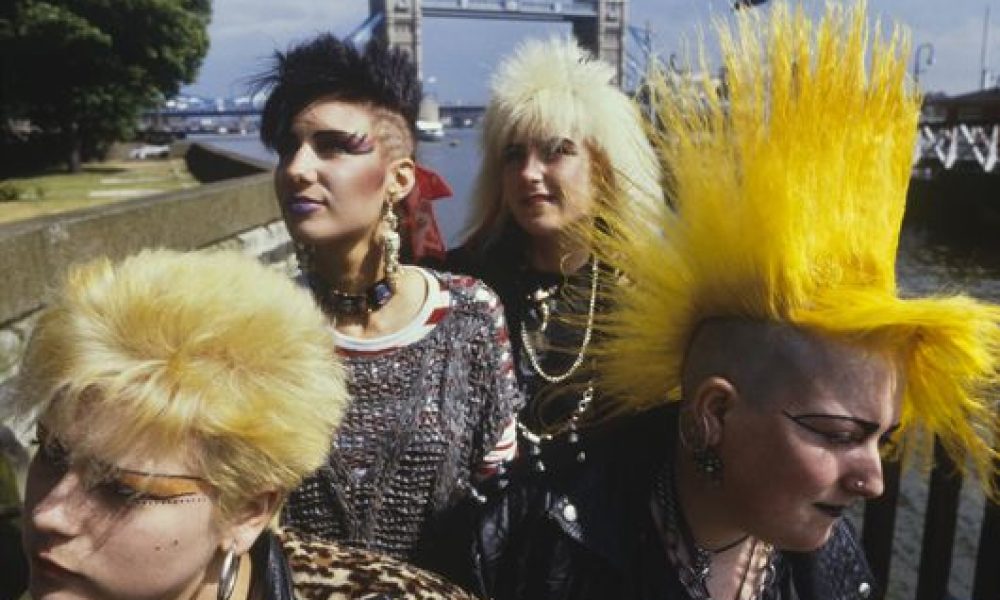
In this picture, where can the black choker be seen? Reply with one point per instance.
(343, 304)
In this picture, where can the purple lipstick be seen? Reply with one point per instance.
(301, 206)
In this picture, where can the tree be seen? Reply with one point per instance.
(84, 69)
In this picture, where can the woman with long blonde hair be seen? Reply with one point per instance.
(559, 137)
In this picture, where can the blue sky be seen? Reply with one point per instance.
(459, 54)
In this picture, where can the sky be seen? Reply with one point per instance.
(460, 54)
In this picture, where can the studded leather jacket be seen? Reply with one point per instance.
(584, 531)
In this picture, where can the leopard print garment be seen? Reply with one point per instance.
(325, 571)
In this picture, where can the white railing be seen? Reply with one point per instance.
(960, 144)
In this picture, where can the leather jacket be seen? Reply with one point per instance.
(271, 574)
(589, 533)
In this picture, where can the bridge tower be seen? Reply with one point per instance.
(604, 35)
(400, 26)
(599, 25)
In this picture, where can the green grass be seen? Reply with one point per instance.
(98, 184)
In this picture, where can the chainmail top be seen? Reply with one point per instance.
(423, 417)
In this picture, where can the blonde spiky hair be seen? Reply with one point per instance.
(790, 187)
(210, 354)
(550, 89)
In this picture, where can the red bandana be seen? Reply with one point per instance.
(425, 236)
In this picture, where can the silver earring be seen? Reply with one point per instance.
(390, 241)
(230, 572)
(695, 438)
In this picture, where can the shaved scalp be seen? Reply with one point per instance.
(761, 358)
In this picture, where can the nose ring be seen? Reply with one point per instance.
(859, 485)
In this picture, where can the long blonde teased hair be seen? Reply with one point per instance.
(790, 187)
(209, 354)
(552, 89)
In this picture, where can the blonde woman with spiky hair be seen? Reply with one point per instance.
(556, 125)
(759, 357)
(178, 399)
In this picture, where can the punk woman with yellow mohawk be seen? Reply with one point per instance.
(763, 327)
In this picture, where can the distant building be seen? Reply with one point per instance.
(975, 108)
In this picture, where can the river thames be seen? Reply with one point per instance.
(928, 262)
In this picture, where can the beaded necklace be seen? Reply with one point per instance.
(535, 440)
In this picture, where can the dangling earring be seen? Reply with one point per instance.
(390, 241)
(230, 572)
(706, 459)
(709, 463)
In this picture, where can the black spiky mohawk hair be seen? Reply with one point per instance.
(382, 76)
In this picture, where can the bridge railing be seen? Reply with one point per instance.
(939, 532)
(959, 145)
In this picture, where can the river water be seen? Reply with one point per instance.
(928, 262)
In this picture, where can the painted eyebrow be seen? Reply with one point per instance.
(869, 427)
(350, 137)
(160, 484)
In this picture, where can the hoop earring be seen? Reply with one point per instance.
(229, 574)
(390, 241)
(706, 459)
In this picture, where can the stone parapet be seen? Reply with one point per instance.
(238, 214)
(34, 254)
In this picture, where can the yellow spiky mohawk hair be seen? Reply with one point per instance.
(790, 187)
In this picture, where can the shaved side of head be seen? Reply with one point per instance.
(762, 359)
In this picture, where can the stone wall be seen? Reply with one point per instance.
(34, 254)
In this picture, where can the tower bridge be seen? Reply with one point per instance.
(599, 25)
